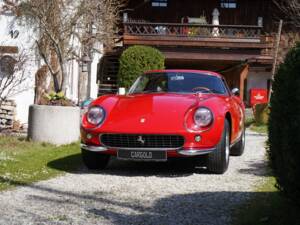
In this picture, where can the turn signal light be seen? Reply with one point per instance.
(198, 138)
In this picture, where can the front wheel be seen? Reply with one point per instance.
(239, 147)
(94, 160)
(218, 161)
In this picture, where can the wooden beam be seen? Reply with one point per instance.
(243, 77)
(9, 49)
(196, 42)
(216, 56)
(278, 38)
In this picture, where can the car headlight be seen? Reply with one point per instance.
(203, 117)
(95, 115)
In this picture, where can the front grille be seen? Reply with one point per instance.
(142, 141)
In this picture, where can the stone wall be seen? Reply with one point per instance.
(7, 114)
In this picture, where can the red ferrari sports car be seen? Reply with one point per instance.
(166, 114)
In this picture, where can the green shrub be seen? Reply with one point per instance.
(137, 60)
(284, 126)
(58, 99)
(261, 113)
(55, 96)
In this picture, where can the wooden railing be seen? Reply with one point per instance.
(192, 30)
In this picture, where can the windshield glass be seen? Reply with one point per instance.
(179, 83)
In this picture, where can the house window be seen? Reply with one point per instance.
(7, 66)
(229, 4)
(159, 3)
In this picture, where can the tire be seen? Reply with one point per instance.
(239, 147)
(94, 160)
(218, 161)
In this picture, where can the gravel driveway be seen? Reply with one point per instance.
(139, 193)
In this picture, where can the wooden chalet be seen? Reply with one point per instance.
(233, 37)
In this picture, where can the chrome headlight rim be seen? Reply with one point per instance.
(209, 120)
(100, 120)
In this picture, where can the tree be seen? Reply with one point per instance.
(13, 77)
(291, 9)
(63, 26)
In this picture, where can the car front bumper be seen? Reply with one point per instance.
(180, 152)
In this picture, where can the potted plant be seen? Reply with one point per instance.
(55, 120)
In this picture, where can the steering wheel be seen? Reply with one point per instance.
(202, 88)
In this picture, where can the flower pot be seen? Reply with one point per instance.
(57, 125)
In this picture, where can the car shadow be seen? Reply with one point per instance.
(171, 168)
(69, 164)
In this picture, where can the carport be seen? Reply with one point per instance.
(232, 64)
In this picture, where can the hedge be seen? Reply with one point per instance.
(284, 126)
(135, 61)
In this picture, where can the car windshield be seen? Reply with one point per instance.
(180, 82)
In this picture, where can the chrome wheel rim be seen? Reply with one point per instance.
(243, 141)
(227, 148)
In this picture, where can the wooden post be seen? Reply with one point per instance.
(278, 37)
(82, 86)
(243, 76)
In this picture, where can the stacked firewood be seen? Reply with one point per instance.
(7, 114)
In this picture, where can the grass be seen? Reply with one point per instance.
(259, 128)
(256, 127)
(268, 207)
(23, 162)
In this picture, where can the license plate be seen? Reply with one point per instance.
(142, 155)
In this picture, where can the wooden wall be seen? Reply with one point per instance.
(246, 13)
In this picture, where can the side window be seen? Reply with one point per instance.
(7, 66)
(143, 81)
(228, 91)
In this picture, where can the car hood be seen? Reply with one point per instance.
(147, 113)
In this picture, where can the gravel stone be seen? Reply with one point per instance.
(140, 193)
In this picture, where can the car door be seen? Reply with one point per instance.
(236, 108)
(239, 116)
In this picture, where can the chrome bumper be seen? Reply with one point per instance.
(189, 152)
(195, 152)
(93, 148)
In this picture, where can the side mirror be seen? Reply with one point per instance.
(235, 92)
(122, 91)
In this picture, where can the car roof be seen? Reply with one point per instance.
(206, 72)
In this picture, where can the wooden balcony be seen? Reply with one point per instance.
(195, 35)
